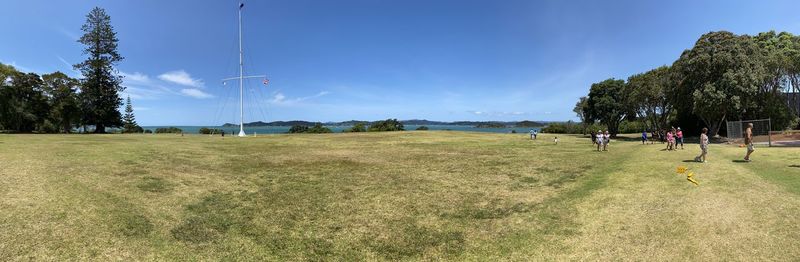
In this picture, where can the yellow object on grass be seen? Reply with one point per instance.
(689, 175)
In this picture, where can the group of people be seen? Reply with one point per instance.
(672, 137)
(601, 139)
(675, 137)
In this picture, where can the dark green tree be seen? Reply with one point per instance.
(386, 125)
(64, 107)
(719, 78)
(647, 95)
(580, 110)
(101, 85)
(129, 124)
(22, 103)
(606, 103)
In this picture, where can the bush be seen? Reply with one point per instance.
(386, 125)
(630, 127)
(148, 131)
(358, 127)
(168, 130)
(318, 129)
(296, 129)
(208, 131)
(422, 128)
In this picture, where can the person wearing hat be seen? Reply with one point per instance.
(679, 137)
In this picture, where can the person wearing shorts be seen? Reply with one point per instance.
(703, 146)
(748, 140)
(599, 139)
(679, 137)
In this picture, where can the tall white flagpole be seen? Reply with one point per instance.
(241, 76)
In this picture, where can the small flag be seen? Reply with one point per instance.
(241, 5)
(266, 81)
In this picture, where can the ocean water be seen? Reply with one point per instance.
(339, 129)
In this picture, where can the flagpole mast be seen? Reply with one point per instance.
(241, 76)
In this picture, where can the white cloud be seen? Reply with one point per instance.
(135, 77)
(279, 98)
(182, 78)
(196, 93)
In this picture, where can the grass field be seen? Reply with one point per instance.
(390, 196)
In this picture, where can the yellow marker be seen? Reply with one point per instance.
(682, 169)
(690, 177)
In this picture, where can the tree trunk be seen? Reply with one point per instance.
(100, 129)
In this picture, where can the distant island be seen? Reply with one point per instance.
(416, 122)
(490, 125)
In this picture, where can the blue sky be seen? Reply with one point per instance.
(376, 59)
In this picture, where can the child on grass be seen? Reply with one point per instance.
(669, 140)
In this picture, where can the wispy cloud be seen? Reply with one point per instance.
(196, 93)
(69, 34)
(135, 77)
(279, 98)
(69, 68)
(181, 77)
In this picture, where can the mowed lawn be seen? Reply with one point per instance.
(390, 196)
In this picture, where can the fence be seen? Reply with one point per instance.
(761, 131)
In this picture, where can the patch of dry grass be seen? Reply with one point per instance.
(387, 196)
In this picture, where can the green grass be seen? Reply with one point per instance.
(389, 196)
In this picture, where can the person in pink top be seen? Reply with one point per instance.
(670, 140)
(679, 137)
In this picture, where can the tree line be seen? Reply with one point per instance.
(55, 102)
(723, 77)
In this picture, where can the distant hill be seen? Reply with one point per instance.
(491, 125)
(418, 122)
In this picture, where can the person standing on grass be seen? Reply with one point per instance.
(669, 140)
(599, 139)
(703, 146)
(592, 136)
(748, 140)
(644, 136)
(532, 134)
(556, 140)
(653, 136)
(606, 140)
(680, 138)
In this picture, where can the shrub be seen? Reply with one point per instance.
(422, 128)
(148, 131)
(208, 131)
(358, 127)
(318, 129)
(296, 129)
(168, 130)
(386, 125)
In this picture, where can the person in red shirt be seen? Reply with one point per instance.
(679, 135)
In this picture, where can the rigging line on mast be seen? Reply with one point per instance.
(259, 99)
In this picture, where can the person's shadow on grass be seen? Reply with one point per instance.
(798, 166)
(690, 161)
(739, 161)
